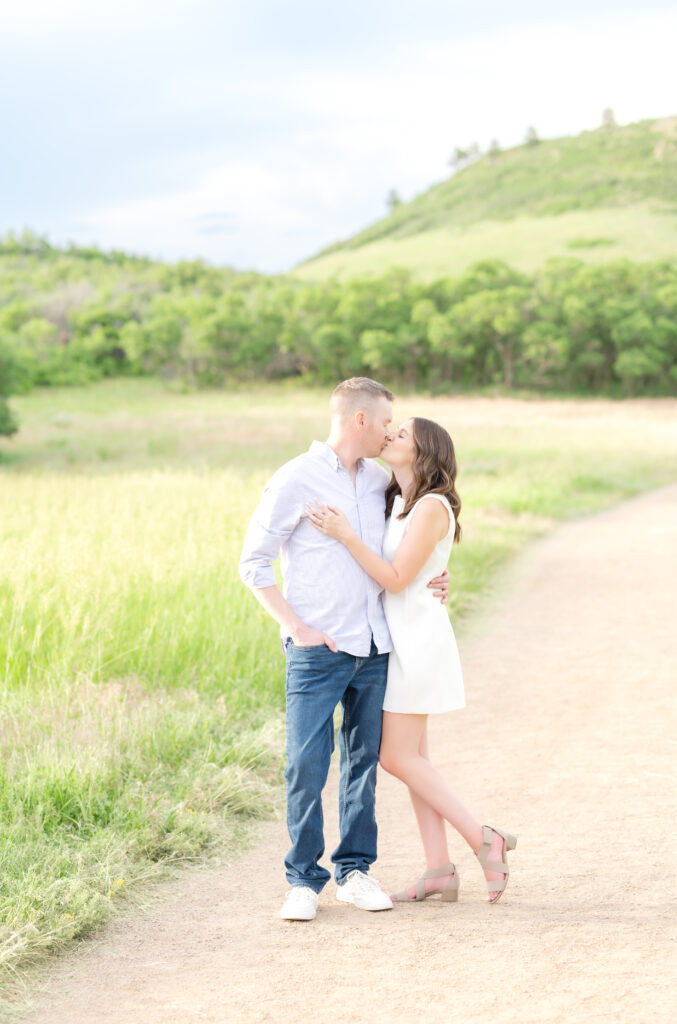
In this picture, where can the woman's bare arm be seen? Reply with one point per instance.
(429, 523)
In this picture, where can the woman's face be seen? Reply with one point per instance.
(400, 450)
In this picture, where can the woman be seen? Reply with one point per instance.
(424, 672)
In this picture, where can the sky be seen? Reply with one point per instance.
(253, 133)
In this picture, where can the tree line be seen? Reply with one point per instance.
(74, 316)
(464, 156)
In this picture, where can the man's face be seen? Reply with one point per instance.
(376, 431)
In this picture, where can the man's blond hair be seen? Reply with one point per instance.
(356, 395)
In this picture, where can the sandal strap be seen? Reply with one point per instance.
(450, 869)
(484, 850)
(401, 896)
(509, 841)
(495, 865)
(420, 892)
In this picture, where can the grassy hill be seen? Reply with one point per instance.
(600, 195)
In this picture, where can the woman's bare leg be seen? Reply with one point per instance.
(401, 756)
(433, 831)
(431, 824)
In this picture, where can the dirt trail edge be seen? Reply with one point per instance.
(566, 741)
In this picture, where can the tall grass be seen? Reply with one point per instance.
(131, 575)
(142, 686)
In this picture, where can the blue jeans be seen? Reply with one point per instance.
(317, 680)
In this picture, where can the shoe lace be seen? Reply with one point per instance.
(362, 882)
(303, 893)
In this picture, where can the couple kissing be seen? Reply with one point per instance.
(364, 556)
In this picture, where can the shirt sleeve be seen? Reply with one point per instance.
(275, 519)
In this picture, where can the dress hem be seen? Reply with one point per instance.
(444, 711)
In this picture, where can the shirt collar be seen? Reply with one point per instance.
(322, 449)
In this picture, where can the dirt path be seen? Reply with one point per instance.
(567, 741)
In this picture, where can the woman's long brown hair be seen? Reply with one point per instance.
(434, 469)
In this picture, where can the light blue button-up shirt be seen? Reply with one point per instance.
(322, 582)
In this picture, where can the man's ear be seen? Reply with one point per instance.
(360, 420)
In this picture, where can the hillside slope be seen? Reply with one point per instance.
(605, 193)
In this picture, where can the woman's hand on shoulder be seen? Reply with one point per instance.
(329, 520)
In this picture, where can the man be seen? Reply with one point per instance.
(335, 638)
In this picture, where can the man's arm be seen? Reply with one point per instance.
(277, 516)
(279, 609)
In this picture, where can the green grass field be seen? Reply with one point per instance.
(143, 686)
(636, 233)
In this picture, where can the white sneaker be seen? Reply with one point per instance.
(364, 892)
(300, 904)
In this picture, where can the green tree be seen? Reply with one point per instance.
(490, 325)
(641, 357)
(381, 351)
(393, 200)
(545, 352)
(336, 355)
(8, 421)
(458, 158)
(75, 315)
(637, 365)
(39, 357)
(451, 350)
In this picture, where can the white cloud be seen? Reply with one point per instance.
(35, 18)
(297, 154)
(242, 214)
(560, 79)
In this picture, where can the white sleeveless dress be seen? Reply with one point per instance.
(424, 669)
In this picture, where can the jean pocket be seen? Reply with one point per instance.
(301, 652)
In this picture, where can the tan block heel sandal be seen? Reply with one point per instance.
(509, 843)
(448, 895)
